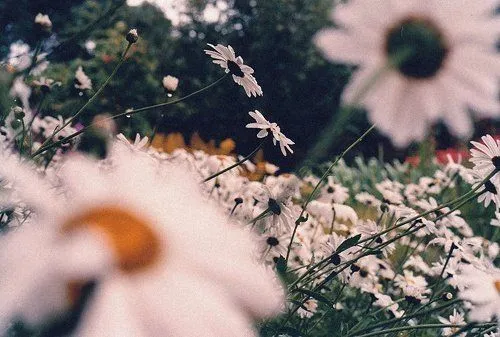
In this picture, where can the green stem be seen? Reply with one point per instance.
(419, 327)
(323, 177)
(235, 164)
(127, 113)
(90, 101)
(134, 111)
(467, 196)
(406, 317)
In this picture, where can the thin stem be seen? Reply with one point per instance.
(395, 320)
(467, 196)
(418, 327)
(323, 177)
(235, 164)
(127, 113)
(90, 101)
(134, 111)
(450, 253)
(93, 98)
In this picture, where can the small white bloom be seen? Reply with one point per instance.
(43, 21)
(264, 125)
(242, 74)
(457, 319)
(90, 46)
(82, 81)
(311, 305)
(170, 83)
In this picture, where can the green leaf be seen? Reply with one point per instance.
(315, 295)
(291, 331)
(281, 265)
(348, 243)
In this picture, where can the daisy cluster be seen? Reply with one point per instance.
(371, 233)
(380, 232)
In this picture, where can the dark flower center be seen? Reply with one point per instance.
(496, 162)
(490, 187)
(274, 207)
(272, 241)
(235, 69)
(423, 41)
(412, 300)
(330, 190)
(335, 259)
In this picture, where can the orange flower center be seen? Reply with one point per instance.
(497, 285)
(135, 245)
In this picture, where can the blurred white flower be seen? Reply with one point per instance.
(19, 55)
(82, 81)
(450, 62)
(310, 307)
(455, 319)
(90, 46)
(264, 125)
(121, 232)
(46, 84)
(170, 83)
(385, 301)
(242, 74)
(43, 21)
(482, 289)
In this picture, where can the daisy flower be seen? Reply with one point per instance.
(277, 212)
(385, 301)
(151, 274)
(486, 155)
(82, 81)
(264, 125)
(309, 308)
(455, 319)
(439, 60)
(242, 74)
(482, 289)
(272, 246)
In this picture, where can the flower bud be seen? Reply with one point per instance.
(18, 112)
(132, 36)
(43, 23)
(16, 124)
(170, 83)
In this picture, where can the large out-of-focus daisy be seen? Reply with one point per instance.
(242, 74)
(449, 62)
(159, 255)
(482, 289)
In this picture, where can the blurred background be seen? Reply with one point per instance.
(301, 89)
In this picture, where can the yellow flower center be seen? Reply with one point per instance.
(134, 242)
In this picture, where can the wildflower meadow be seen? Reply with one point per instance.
(148, 188)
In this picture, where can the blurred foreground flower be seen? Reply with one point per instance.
(159, 258)
(451, 63)
(242, 74)
(482, 289)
